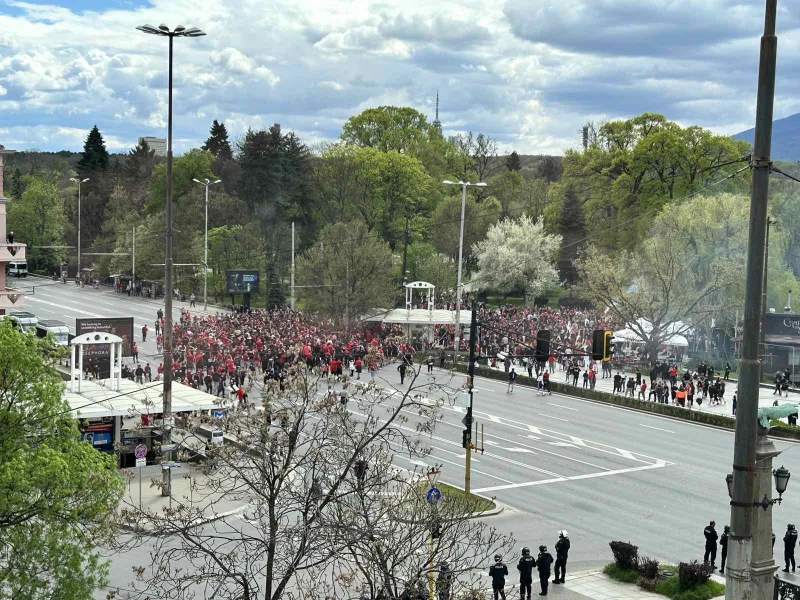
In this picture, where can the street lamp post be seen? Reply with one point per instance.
(464, 185)
(79, 182)
(206, 183)
(164, 31)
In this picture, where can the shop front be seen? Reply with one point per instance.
(782, 343)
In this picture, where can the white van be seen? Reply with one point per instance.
(27, 321)
(215, 435)
(17, 268)
(59, 330)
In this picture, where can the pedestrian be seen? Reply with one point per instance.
(160, 314)
(442, 359)
(562, 552)
(444, 581)
(543, 562)
(789, 542)
(540, 384)
(723, 541)
(711, 544)
(643, 390)
(148, 373)
(402, 368)
(135, 352)
(157, 325)
(547, 383)
(586, 379)
(498, 572)
(733, 404)
(359, 366)
(512, 377)
(430, 363)
(139, 374)
(191, 300)
(727, 371)
(525, 568)
(144, 332)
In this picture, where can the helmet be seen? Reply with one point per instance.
(542, 548)
(563, 533)
(526, 551)
(728, 528)
(497, 558)
(791, 526)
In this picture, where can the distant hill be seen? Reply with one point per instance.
(785, 138)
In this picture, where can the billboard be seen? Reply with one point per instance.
(240, 281)
(121, 326)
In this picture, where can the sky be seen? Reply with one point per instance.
(529, 73)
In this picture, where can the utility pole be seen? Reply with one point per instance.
(79, 182)
(291, 296)
(750, 567)
(765, 306)
(133, 262)
(473, 335)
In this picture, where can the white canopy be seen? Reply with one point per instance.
(676, 339)
(419, 316)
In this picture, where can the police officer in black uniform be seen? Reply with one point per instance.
(562, 551)
(543, 562)
(402, 368)
(723, 541)
(789, 542)
(711, 543)
(498, 572)
(525, 568)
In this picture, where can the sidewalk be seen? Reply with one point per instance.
(183, 495)
(595, 585)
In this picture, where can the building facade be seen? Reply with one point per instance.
(157, 144)
(782, 343)
(10, 250)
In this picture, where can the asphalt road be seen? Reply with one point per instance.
(557, 462)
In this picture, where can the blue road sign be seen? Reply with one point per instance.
(434, 495)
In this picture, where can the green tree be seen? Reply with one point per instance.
(572, 227)
(95, 156)
(59, 493)
(195, 164)
(425, 264)
(348, 271)
(445, 228)
(38, 220)
(136, 171)
(512, 162)
(17, 187)
(217, 142)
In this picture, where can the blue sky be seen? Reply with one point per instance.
(527, 72)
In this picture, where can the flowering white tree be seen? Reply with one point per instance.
(517, 253)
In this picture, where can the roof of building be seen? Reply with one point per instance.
(419, 316)
(98, 399)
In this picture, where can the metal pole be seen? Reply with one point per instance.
(133, 262)
(291, 297)
(742, 581)
(79, 229)
(166, 428)
(473, 335)
(458, 281)
(764, 299)
(205, 260)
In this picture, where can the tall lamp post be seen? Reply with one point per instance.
(166, 437)
(464, 185)
(79, 182)
(208, 183)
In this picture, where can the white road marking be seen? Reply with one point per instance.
(626, 454)
(578, 441)
(561, 444)
(531, 437)
(495, 488)
(526, 450)
(494, 419)
(656, 428)
(551, 417)
(564, 407)
(534, 429)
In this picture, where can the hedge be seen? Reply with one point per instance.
(668, 410)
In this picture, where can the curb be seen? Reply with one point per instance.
(196, 523)
(499, 507)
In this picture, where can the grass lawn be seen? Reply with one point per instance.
(668, 587)
(449, 491)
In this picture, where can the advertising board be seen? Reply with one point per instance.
(241, 281)
(121, 326)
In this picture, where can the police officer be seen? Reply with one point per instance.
(723, 541)
(711, 543)
(402, 368)
(444, 582)
(543, 562)
(525, 568)
(789, 542)
(562, 551)
(498, 572)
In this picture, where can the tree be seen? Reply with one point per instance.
(389, 129)
(572, 227)
(17, 187)
(95, 156)
(512, 162)
(323, 497)
(194, 164)
(481, 161)
(217, 142)
(348, 271)
(140, 162)
(59, 493)
(517, 253)
(425, 264)
(445, 225)
(38, 220)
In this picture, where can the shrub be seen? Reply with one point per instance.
(617, 573)
(648, 585)
(648, 568)
(692, 574)
(626, 555)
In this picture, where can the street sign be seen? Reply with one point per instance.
(218, 414)
(141, 462)
(434, 495)
(467, 420)
(140, 451)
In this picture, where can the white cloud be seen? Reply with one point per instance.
(528, 73)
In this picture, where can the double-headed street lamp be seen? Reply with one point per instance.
(464, 185)
(166, 445)
(79, 182)
(206, 183)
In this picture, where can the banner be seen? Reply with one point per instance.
(121, 326)
(240, 281)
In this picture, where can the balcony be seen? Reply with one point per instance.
(11, 299)
(9, 252)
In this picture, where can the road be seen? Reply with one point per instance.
(557, 462)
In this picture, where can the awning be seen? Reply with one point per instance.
(628, 335)
(418, 316)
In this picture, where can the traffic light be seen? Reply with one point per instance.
(465, 438)
(608, 344)
(542, 345)
(436, 532)
(598, 339)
